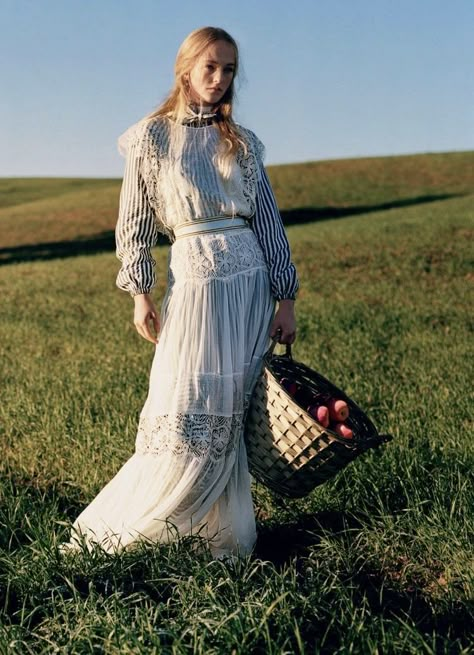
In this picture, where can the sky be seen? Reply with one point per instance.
(322, 79)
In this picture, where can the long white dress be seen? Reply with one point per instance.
(189, 473)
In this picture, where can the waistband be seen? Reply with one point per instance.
(214, 224)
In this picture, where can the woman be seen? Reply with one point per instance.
(195, 175)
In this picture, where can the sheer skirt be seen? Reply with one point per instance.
(189, 472)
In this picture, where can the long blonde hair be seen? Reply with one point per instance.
(176, 104)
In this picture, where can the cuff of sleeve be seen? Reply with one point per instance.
(131, 288)
(139, 292)
(285, 297)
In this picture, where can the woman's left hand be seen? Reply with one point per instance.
(285, 321)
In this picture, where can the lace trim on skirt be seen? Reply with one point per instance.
(196, 435)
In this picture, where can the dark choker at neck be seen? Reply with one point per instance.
(200, 116)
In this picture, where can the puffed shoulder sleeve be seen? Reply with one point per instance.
(136, 231)
(270, 232)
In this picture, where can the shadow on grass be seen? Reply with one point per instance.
(105, 241)
(27, 497)
(279, 544)
(131, 575)
(30, 512)
(102, 242)
(283, 543)
(300, 215)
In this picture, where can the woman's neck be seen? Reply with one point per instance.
(201, 109)
(199, 115)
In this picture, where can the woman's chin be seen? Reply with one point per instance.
(211, 99)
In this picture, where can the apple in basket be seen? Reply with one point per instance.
(320, 413)
(289, 386)
(343, 431)
(338, 409)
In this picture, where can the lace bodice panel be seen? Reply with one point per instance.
(210, 257)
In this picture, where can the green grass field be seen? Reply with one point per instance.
(378, 560)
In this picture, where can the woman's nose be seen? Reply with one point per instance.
(217, 77)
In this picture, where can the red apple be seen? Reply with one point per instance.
(343, 431)
(338, 409)
(290, 386)
(320, 413)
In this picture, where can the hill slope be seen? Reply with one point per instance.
(37, 212)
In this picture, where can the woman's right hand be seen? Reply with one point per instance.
(144, 315)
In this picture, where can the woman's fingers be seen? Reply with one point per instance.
(152, 320)
(283, 326)
(147, 333)
(284, 336)
(156, 322)
(288, 338)
(144, 314)
(143, 327)
(288, 335)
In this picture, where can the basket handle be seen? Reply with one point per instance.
(274, 343)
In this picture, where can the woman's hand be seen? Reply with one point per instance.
(145, 313)
(285, 321)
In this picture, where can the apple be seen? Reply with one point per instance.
(290, 386)
(343, 431)
(320, 413)
(338, 409)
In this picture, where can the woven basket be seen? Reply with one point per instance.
(287, 449)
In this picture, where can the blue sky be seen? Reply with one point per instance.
(323, 79)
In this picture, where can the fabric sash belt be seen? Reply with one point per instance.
(214, 224)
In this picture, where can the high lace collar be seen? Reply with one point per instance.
(199, 115)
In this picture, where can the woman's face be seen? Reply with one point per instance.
(212, 74)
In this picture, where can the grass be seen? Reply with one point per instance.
(378, 560)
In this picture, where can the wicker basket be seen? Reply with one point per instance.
(287, 449)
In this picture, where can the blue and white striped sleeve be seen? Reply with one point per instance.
(136, 231)
(269, 229)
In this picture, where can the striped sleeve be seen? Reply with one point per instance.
(136, 231)
(268, 227)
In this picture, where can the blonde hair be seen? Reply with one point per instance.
(176, 104)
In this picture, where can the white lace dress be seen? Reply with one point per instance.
(189, 472)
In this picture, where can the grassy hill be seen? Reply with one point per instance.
(379, 559)
(41, 218)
